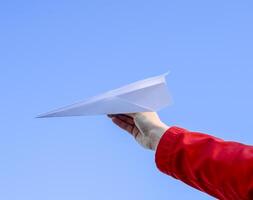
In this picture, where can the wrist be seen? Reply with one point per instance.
(157, 135)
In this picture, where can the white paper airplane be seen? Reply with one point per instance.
(142, 96)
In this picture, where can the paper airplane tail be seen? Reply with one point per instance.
(142, 96)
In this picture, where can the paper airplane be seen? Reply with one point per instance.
(142, 96)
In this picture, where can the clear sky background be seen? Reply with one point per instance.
(53, 53)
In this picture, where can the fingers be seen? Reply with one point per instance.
(126, 114)
(135, 132)
(125, 122)
(124, 118)
(122, 124)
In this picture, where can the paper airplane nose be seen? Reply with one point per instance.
(142, 96)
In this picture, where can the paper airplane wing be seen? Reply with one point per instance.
(142, 96)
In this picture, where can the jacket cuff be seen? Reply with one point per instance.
(167, 148)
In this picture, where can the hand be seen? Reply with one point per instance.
(146, 127)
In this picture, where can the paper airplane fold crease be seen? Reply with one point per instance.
(142, 96)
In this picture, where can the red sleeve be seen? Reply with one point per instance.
(219, 168)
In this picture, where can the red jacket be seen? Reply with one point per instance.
(219, 168)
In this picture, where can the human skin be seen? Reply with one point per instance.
(145, 127)
(220, 168)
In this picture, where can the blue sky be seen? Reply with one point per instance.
(57, 52)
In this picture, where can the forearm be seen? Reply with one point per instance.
(157, 133)
(207, 163)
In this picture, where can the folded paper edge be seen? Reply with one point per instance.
(112, 93)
